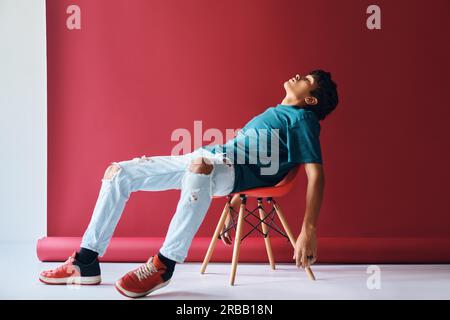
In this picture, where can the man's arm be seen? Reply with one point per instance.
(306, 244)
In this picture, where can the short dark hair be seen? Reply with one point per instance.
(325, 93)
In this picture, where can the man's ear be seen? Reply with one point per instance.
(311, 100)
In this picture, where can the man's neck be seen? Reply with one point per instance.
(289, 101)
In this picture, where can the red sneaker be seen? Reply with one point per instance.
(73, 272)
(143, 280)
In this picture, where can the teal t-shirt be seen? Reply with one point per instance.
(271, 144)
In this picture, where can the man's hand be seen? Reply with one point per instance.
(305, 253)
(226, 237)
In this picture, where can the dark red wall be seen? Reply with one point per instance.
(137, 70)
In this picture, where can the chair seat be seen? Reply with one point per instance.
(280, 189)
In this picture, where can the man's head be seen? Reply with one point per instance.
(316, 91)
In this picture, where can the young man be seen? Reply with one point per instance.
(209, 171)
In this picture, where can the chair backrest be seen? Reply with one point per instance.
(290, 178)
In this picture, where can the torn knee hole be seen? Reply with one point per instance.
(201, 165)
(194, 196)
(111, 171)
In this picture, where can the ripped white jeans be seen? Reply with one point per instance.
(156, 174)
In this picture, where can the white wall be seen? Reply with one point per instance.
(23, 120)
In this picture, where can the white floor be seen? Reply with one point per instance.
(19, 269)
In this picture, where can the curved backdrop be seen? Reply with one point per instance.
(137, 70)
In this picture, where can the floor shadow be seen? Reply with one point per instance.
(274, 282)
(182, 295)
(215, 273)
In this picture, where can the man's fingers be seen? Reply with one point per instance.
(298, 257)
(314, 259)
(225, 235)
(304, 260)
(222, 237)
(226, 239)
(310, 259)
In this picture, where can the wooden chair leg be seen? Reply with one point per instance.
(290, 235)
(212, 245)
(265, 229)
(237, 240)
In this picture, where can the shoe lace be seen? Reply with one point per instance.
(146, 270)
(66, 265)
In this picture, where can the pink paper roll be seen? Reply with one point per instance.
(331, 250)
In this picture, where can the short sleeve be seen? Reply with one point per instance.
(303, 141)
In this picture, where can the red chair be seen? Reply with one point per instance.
(279, 190)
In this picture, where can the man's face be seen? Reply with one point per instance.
(300, 87)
